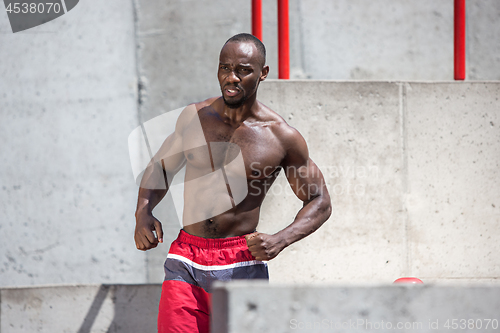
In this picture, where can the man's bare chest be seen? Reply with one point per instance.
(255, 146)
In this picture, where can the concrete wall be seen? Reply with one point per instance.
(74, 88)
(389, 40)
(251, 307)
(412, 169)
(67, 104)
(482, 51)
(81, 308)
(178, 49)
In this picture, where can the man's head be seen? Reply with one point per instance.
(241, 68)
(248, 38)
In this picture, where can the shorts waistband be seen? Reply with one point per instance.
(211, 243)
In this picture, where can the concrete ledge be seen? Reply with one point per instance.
(80, 308)
(255, 307)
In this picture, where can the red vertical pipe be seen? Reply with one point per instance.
(459, 39)
(257, 18)
(283, 41)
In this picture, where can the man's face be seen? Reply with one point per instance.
(240, 71)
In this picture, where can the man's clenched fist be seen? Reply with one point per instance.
(144, 236)
(264, 246)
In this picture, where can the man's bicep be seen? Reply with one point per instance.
(187, 128)
(163, 166)
(171, 155)
(300, 170)
(306, 180)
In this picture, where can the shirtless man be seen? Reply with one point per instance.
(243, 139)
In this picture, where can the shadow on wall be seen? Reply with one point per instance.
(80, 308)
(135, 310)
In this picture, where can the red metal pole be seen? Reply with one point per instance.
(459, 39)
(257, 18)
(283, 41)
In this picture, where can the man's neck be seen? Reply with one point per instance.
(236, 116)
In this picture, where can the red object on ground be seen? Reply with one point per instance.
(283, 41)
(409, 280)
(459, 49)
(257, 18)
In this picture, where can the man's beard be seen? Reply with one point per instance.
(235, 104)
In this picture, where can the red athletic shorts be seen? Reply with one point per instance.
(192, 264)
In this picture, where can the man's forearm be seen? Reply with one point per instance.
(312, 215)
(148, 199)
(153, 188)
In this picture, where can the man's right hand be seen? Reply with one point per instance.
(144, 237)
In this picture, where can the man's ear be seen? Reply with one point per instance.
(264, 72)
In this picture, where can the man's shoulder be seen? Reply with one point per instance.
(287, 134)
(205, 103)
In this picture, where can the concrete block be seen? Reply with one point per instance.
(453, 145)
(82, 309)
(251, 307)
(353, 134)
(428, 206)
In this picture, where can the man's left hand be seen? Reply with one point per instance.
(263, 246)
